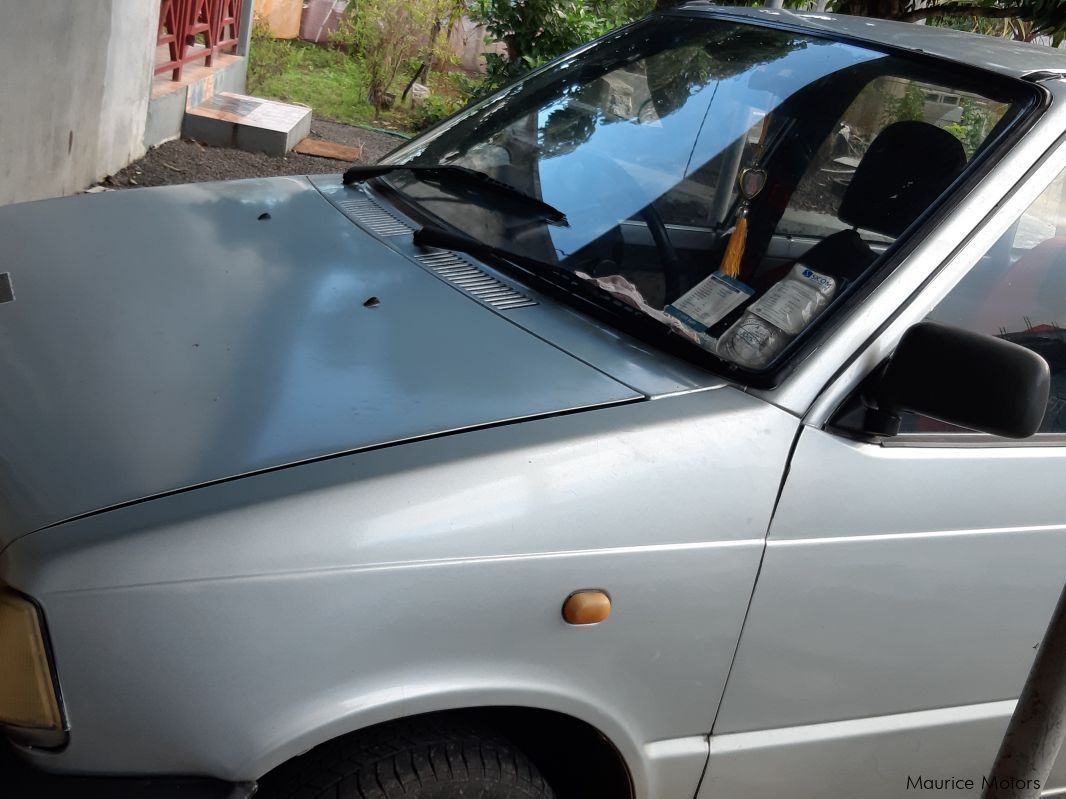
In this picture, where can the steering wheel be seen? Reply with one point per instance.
(671, 265)
(649, 214)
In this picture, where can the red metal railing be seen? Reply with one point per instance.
(196, 30)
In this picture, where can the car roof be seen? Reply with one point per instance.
(1007, 57)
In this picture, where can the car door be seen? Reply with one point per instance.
(906, 583)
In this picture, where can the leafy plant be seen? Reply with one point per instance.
(433, 110)
(270, 56)
(972, 128)
(387, 35)
(437, 53)
(1038, 16)
(535, 31)
(466, 85)
(910, 106)
(1014, 19)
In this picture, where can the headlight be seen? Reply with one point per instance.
(28, 701)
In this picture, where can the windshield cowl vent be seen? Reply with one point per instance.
(364, 211)
(471, 280)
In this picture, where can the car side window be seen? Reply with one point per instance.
(1017, 291)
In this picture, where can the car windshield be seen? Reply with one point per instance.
(730, 181)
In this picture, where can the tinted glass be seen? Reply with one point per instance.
(813, 209)
(646, 141)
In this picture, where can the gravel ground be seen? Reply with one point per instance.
(185, 161)
(375, 145)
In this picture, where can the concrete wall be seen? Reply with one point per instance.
(75, 78)
(469, 42)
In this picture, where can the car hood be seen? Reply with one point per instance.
(161, 339)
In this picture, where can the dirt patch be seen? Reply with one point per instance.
(185, 161)
(375, 145)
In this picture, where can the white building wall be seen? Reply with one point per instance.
(75, 79)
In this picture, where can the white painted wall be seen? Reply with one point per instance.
(75, 79)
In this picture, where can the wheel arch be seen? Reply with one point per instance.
(576, 759)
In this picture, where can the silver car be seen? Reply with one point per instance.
(686, 420)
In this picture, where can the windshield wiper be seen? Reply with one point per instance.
(433, 236)
(556, 279)
(455, 174)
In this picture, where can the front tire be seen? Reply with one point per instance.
(413, 761)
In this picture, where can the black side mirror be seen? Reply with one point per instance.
(966, 379)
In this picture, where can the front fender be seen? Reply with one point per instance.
(220, 631)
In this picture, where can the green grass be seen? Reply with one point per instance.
(330, 81)
(334, 84)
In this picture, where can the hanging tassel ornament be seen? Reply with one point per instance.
(713, 299)
(734, 251)
(750, 182)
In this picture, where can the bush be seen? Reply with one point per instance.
(433, 110)
(911, 106)
(536, 31)
(388, 35)
(972, 128)
(269, 56)
(466, 86)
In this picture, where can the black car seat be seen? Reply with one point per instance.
(905, 169)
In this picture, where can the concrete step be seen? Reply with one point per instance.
(170, 98)
(247, 123)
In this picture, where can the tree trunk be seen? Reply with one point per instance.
(420, 73)
(427, 64)
(512, 47)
